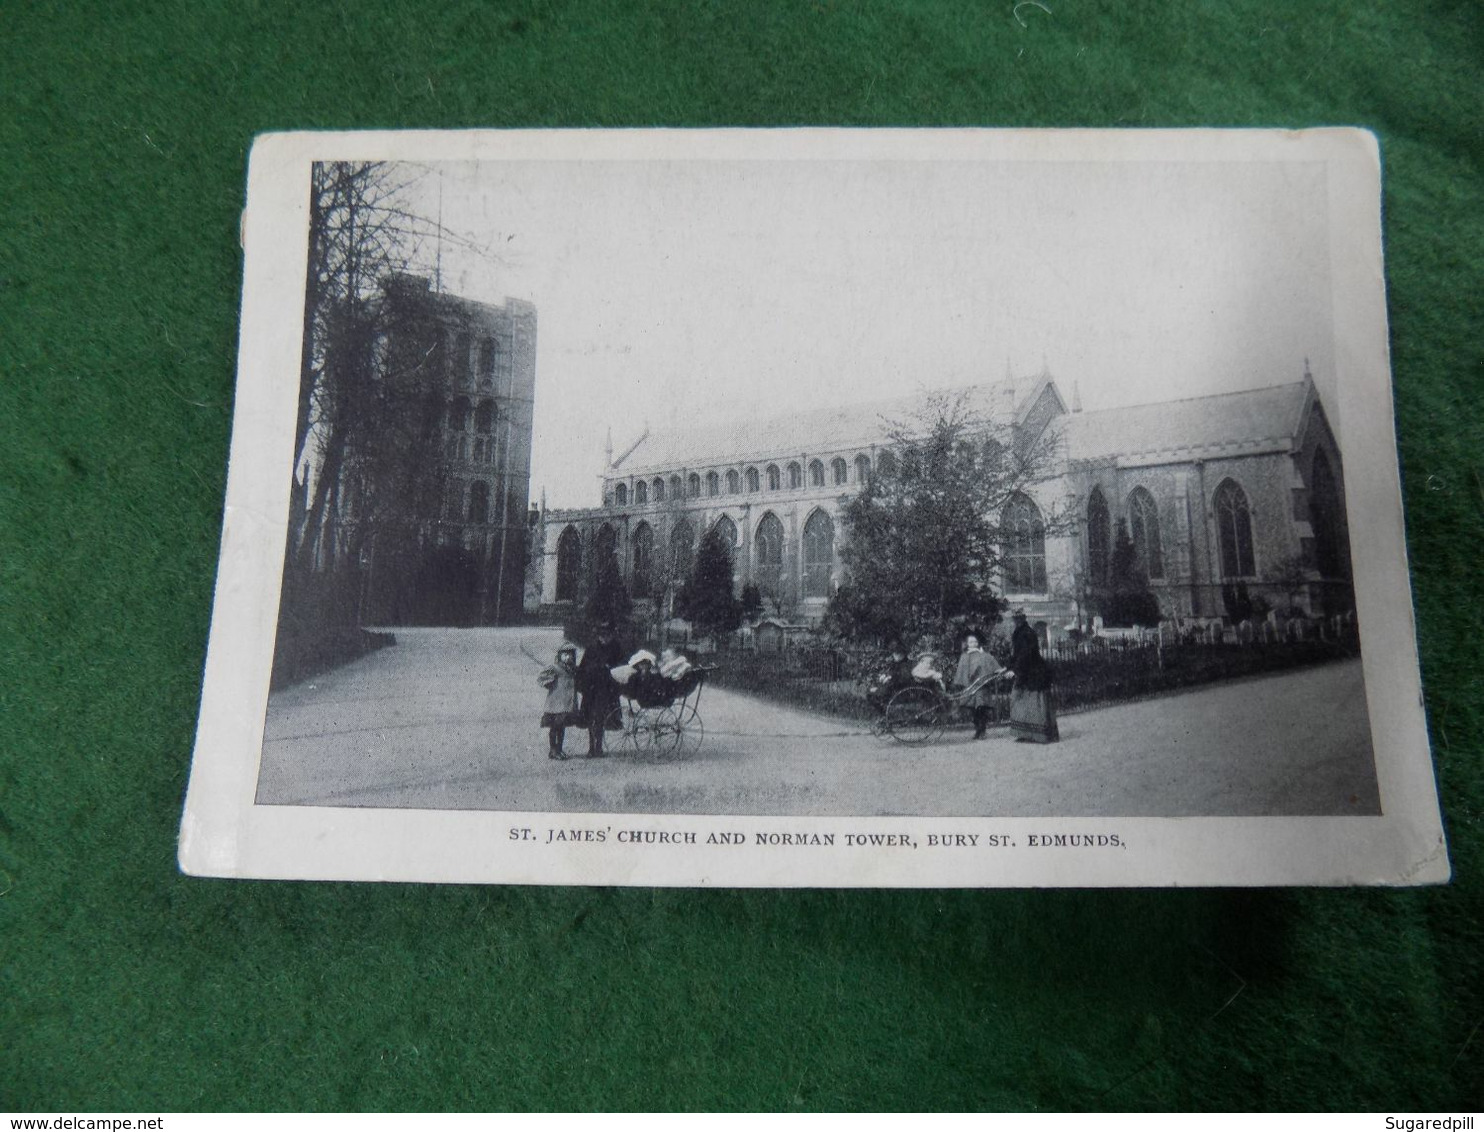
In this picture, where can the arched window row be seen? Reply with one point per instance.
(753, 479)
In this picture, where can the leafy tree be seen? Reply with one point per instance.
(752, 602)
(923, 547)
(706, 600)
(1127, 599)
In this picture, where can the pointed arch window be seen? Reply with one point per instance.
(775, 478)
(713, 484)
(569, 564)
(1234, 531)
(819, 554)
(840, 470)
(816, 474)
(621, 494)
(641, 492)
(726, 531)
(1143, 528)
(657, 489)
(605, 544)
(674, 487)
(1023, 546)
(768, 549)
(682, 547)
(752, 480)
(693, 485)
(734, 482)
(1099, 544)
(795, 477)
(862, 469)
(643, 559)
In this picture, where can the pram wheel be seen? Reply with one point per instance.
(623, 728)
(667, 734)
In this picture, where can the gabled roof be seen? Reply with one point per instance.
(1226, 424)
(817, 432)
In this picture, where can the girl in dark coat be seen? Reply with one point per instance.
(1032, 715)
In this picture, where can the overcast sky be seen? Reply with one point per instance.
(694, 291)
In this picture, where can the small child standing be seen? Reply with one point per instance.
(560, 681)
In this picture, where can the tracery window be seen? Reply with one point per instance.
(641, 492)
(1143, 525)
(1023, 546)
(643, 559)
(657, 490)
(752, 480)
(819, 554)
(726, 531)
(768, 550)
(693, 485)
(605, 544)
(1099, 548)
(840, 470)
(621, 494)
(734, 482)
(775, 480)
(816, 474)
(682, 545)
(1234, 531)
(569, 564)
(795, 477)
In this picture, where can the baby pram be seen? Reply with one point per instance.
(658, 716)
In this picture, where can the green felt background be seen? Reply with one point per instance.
(123, 134)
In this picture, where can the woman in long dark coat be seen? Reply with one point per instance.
(1032, 714)
(599, 691)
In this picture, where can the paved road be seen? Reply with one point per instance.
(448, 719)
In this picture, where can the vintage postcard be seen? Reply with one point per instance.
(814, 508)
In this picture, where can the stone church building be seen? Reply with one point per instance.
(1221, 492)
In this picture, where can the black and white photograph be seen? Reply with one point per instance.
(816, 507)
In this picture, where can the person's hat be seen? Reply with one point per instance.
(642, 657)
(1019, 615)
(566, 646)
